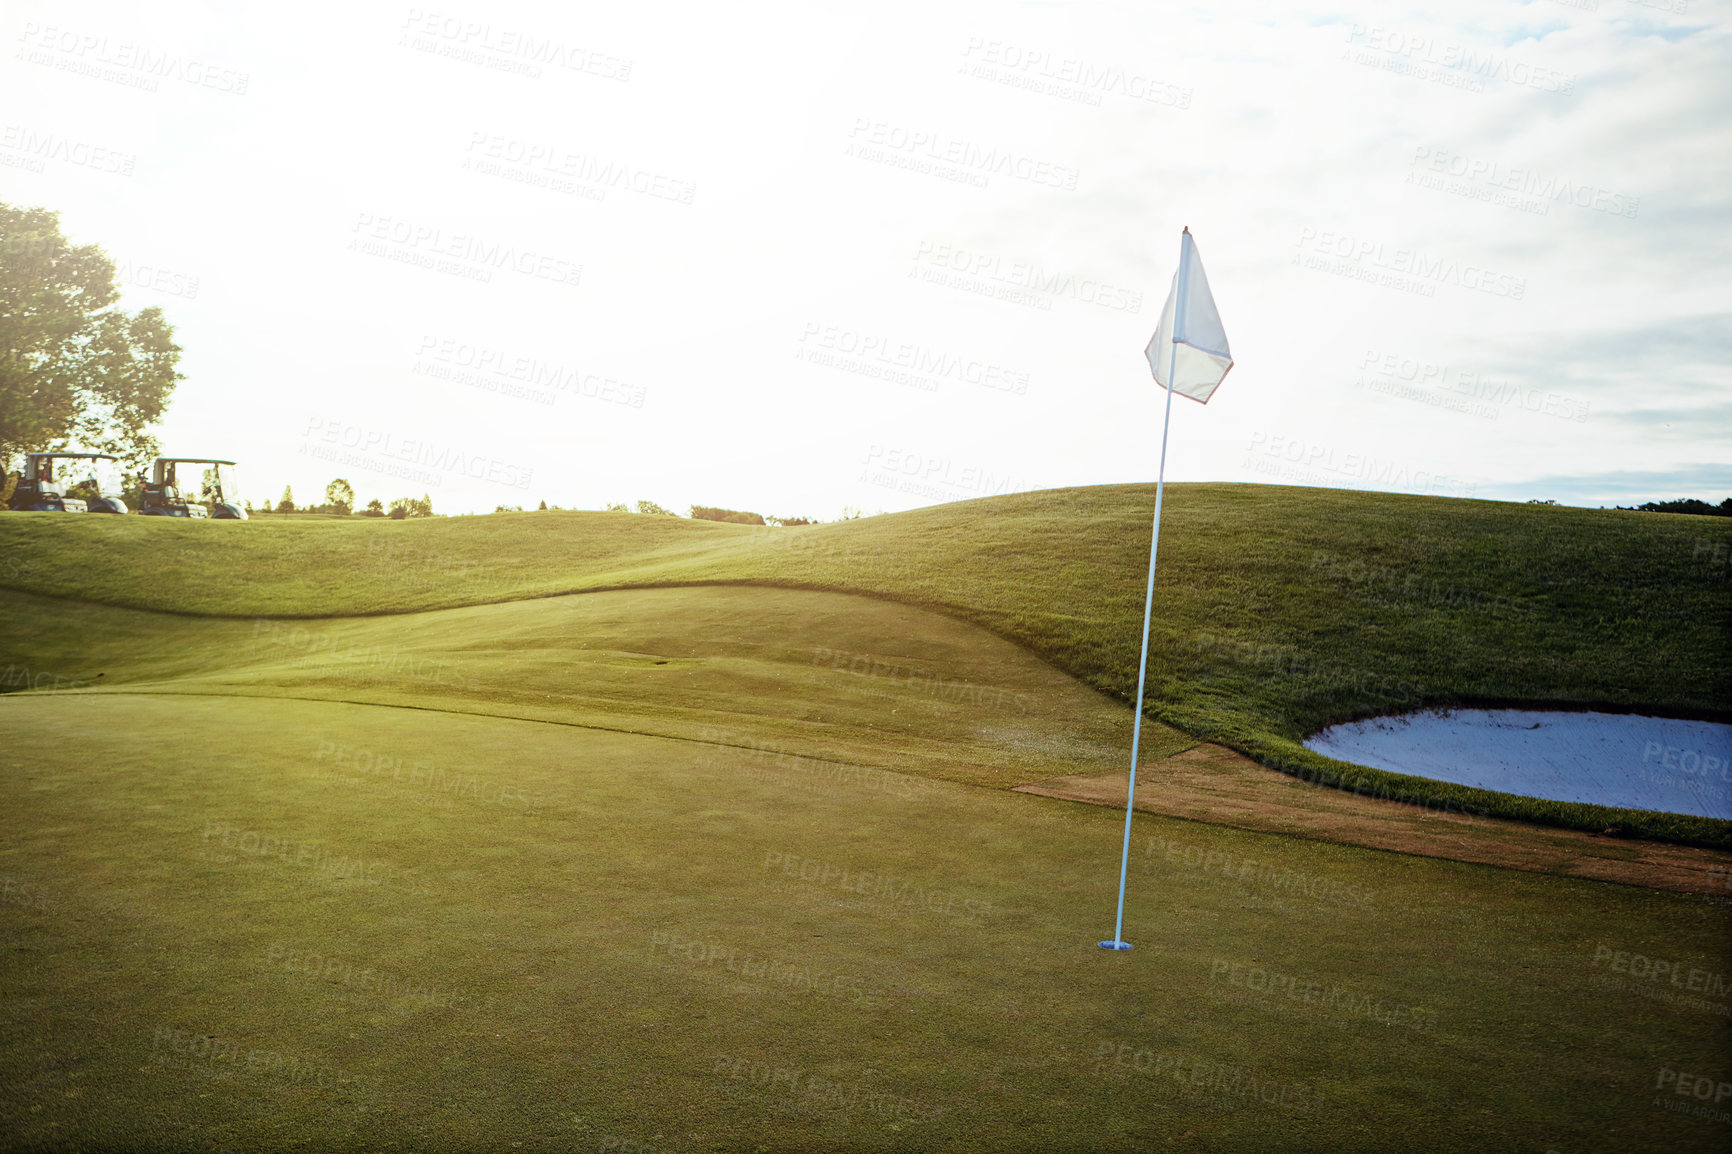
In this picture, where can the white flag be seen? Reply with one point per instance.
(1190, 339)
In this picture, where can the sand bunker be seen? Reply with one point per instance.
(1626, 760)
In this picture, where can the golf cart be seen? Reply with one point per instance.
(45, 486)
(216, 487)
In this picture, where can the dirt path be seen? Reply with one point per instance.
(1213, 784)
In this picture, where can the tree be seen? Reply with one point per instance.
(72, 367)
(543, 508)
(614, 507)
(652, 507)
(410, 507)
(708, 513)
(340, 497)
(287, 504)
(1688, 505)
(375, 508)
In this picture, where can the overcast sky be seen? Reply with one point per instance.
(888, 256)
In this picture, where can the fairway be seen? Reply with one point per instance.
(649, 835)
(287, 924)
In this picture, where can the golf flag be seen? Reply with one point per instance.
(1189, 355)
(1190, 340)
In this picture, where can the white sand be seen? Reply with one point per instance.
(1604, 758)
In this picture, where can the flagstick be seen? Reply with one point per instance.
(1118, 940)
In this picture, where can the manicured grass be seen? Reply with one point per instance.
(1278, 610)
(729, 861)
(253, 923)
(792, 673)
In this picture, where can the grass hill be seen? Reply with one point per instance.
(1278, 610)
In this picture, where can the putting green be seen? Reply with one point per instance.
(265, 923)
(817, 675)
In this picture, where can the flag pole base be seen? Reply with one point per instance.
(1115, 945)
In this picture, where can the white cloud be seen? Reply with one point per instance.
(769, 208)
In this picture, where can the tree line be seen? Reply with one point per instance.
(1688, 505)
(340, 502)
